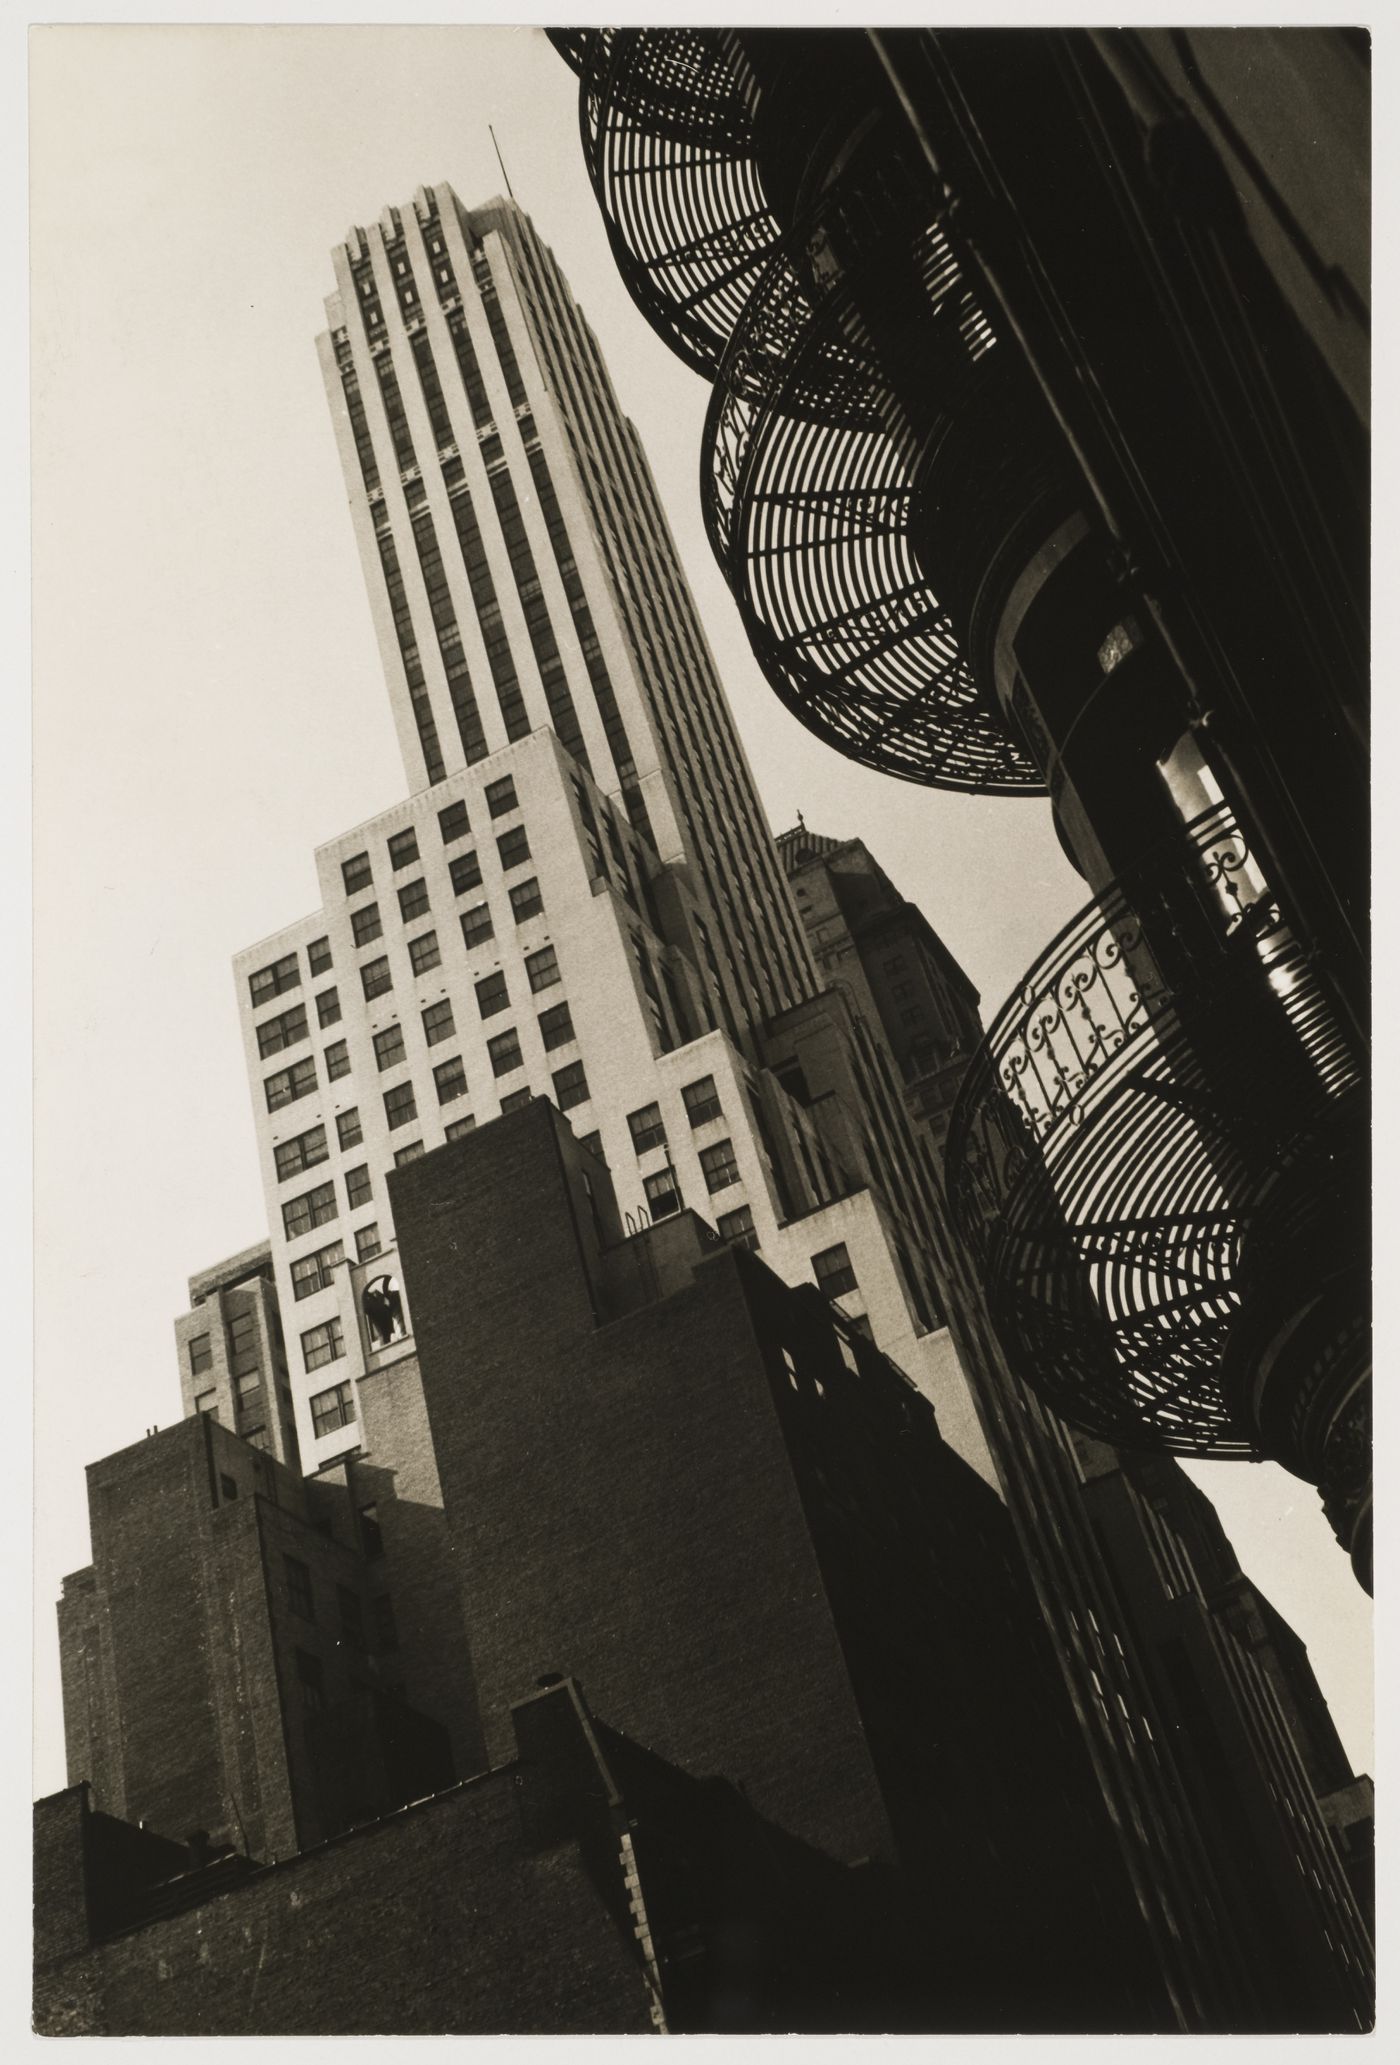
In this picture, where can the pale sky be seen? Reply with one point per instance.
(208, 699)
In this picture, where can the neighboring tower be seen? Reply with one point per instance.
(580, 897)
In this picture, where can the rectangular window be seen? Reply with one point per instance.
(316, 1272)
(451, 1080)
(312, 1680)
(466, 1124)
(328, 1007)
(500, 796)
(358, 1187)
(424, 953)
(337, 1060)
(375, 978)
(646, 1128)
(701, 1101)
(282, 1031)
(320, 1345)
(833, 1271)
(400, 1106)
(465, 871)
(505, 1053)
(247, 1387)
(437, 1022)
(243, 1346)
(366, 924)
(594, 1143)
(452, 822)
(299, 1596)
(201, 1355)
(347, 1126)
(476, 925)
(514, 848)
(570, 1086)
(525, 900)
(318, 956)
(408, 1154)
(368, 1243)
(389, 1047)
(356, 873)
(313, 1208)
(663, 1198)
(275, 980)
(719, 1166)
(542, 968)
(403, 849)
(205, 1401)
(290, 1083)
(332, 1409)
(413, 899)
(556, 1027)
(492, 995)
(737, 1228)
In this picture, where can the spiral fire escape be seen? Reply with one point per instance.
(976, 549)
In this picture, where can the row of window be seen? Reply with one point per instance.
(357, 873)
(702, 1104)
(349, 1611)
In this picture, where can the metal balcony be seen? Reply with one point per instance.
(1118, 1141)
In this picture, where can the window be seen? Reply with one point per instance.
(299, 1596)
(525, 900)
(400, 1105)
(368, 1243)
(386, 1634)
(313, 1208)
(505, 1053)
(347, 1126)
(366, 924)
(500, 796)
(465, 871)
(718, 1166)
(320, 1345)
(492, 995)
(243, 1347)
(737, 1228)
(312, 1273)
(515, 1100)
(663, 1198)
(283, 1031)
(452, 822)
(424, 952)
(451, 1080)
(476, 925)
(205, 1401)
(389, 1047)
(356, 874)
(437, 1022)
(413, 899)
(337, 1060)
(201, 1355)
(701, 1101)
(542, 968)
(375, 978)
(556, 1027)
(646, 1128)
(290, 1083)
(358, 1187)
(594, 1143)
(408, 1154)
(570, 1086)
(312, 1680)
(514, 848)
(318, 957)
(328, 1007)
(833, 1271)
(275, 980)
(403, 849)
(228, 1486)
(466, 1124)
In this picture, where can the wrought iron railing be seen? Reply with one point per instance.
(1120, 1121)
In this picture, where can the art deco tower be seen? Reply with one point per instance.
(580, 898)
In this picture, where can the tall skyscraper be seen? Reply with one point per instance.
(580, 897)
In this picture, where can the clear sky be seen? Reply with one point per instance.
(208, 699)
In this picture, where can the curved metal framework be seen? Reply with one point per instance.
(810, 477)
(1115, 1130)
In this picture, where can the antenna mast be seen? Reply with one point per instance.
(500, 160)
